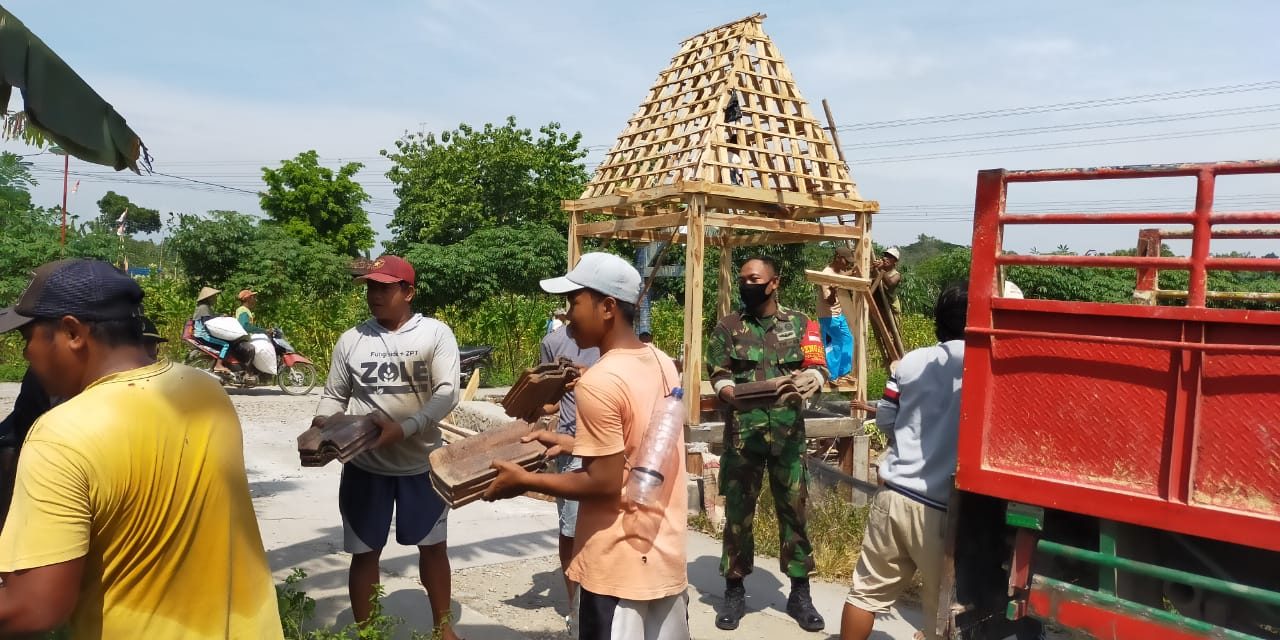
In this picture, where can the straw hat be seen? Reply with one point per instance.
(207, 292)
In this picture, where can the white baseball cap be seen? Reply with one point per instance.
(601, 272)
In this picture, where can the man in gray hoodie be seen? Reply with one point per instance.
(907, 522)
(401, 369)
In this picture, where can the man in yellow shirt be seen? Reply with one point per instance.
(131, 515)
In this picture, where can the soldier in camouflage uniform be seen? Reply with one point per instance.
(762, 341)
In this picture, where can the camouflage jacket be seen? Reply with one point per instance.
(744, 348)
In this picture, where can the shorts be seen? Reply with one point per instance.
(903, 536)
(366, 501)
(609, 618)
(568, 509)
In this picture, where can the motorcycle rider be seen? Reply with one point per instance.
(257, 335)
(204, 303)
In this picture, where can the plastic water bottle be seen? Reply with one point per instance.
(657, 452)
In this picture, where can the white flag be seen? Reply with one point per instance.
(122, 215)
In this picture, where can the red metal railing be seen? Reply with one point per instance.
(1158, 416)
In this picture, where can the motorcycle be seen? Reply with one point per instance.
(231, 363)
(469, 361)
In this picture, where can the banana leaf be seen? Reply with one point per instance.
(59, 103)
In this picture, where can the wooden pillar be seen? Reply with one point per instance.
(724, 285)
(859, 319)
(575, 241)
(693, 269)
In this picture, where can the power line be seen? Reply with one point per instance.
(1064, 145)
(1065, 106)
(1081, 126)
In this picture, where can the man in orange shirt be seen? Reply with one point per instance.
(629, 560)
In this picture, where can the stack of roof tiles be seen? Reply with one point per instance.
(462, 471)
(538, 387)
(767, 393)
(340, 438)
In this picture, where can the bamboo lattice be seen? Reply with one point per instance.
(726, 111)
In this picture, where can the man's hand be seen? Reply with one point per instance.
(509, 483)
(808, 382)
(556, 443)
(582, 369)
(865, 407)
(389, 431)
(319, 421)
(727, 396)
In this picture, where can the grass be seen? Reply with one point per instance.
(835, 529)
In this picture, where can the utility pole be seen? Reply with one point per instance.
(66, 170)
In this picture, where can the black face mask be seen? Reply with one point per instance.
(753, 295)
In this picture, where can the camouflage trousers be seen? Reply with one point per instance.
(742, 469)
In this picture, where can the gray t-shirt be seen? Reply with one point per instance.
(921, 410)
(410, 374)
(557, 344)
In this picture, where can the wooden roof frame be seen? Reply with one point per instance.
(724, 150)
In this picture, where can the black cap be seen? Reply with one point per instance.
(85, 289)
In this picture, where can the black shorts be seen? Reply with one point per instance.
(367, 500)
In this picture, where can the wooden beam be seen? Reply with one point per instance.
(693, 269)
(628, 198)
(786, 198)
(713, 432)
(575, 240)
(724, 284)
(645, 237)
(848, 283)
(758, 239)
(858, 314)
(808, 213)
(819, 230)
(609, 227)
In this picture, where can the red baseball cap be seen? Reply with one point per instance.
(388, 269)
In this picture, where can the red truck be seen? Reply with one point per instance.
(1119, 464)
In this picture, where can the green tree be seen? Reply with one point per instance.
(140, 219)
(316, 204)
(231, 251)
(469, 179)
(15, 182)
(488, 263)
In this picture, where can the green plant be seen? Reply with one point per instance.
(834, 525)
(296, 607)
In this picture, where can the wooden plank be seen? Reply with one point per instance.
(473, 385)
(645, 237)
(818, 230)
(848, 283)
(760, 239)
(620, 198)
(724, 283)
(788, 198)
(608, 227)
(693, 269)
(842, 427)
(575, 240)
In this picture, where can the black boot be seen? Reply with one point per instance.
(735, 605)
(800, 607)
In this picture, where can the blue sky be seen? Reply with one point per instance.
(219, 89)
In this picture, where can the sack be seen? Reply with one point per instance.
(225, 328)
(264, 356)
